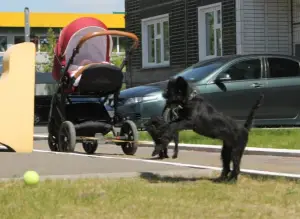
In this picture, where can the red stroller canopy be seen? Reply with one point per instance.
(97, 49)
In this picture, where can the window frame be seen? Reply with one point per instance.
(202, 26)
(144, 25)
(234, 62)
(14, 38)
(278, 57)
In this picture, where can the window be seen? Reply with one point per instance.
(280, 67)
(243, 70)
(119, 44)
(210, 31)
(155, 41)
(115, 43)
(19, 39)
(3, 43)
(122, 44)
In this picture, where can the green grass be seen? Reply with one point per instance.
(156, 198)
(268, 138)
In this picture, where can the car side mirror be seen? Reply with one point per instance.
(223, 77)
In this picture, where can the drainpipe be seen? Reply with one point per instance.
(185, 33)
(292, 26)
(27, 25)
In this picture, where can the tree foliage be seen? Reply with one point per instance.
(48, 48)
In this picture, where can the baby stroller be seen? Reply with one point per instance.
(86, 79)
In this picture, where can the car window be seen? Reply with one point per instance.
(243, 70)
(281, 67)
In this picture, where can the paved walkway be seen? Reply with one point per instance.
(110, 160)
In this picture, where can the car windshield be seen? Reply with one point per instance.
(202, 69)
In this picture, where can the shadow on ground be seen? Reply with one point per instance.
(157, 178)
(99, 154)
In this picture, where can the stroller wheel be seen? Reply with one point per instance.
(130, 131)
(52, 142)
(67, 137)
(90, 147)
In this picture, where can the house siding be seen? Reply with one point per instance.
(183, 24)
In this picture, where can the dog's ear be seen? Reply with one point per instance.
(183, 85)
(170, 84)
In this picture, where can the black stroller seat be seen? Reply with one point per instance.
(100, 79)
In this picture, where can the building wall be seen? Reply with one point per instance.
(183, 25)
(264, 26)
(296, 26)
(42, 57)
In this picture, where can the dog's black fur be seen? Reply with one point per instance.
(156, 127)
(201, 117)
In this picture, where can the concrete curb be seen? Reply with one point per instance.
(214, 148)
(218, 148)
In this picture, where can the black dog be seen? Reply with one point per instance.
(201, 117)
(156, 127)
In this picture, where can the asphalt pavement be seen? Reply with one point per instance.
(109, 161)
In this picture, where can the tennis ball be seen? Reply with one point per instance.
(31, 177)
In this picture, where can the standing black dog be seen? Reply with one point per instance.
(201, 117)
(156, 127)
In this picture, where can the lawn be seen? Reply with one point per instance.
(268, 138)
(156, 198)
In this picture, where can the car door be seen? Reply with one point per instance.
(283, 83)
(239, 89)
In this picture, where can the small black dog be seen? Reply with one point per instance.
(201, 117)
(156, 127)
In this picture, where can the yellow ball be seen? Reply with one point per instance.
(31, 177)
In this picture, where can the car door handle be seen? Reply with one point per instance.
(256, 85)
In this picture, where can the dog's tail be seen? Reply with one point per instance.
(250, 118)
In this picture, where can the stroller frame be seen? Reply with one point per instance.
(64, 133)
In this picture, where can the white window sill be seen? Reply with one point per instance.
(149, 66)
(208, 57)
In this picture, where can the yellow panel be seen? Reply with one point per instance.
(16, 19)
(17, 97)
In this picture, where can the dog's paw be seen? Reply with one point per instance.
(162, 155)
(155, 152)
(232, 178)
(220, 179)
(174, 156)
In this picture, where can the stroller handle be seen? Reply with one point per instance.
(108, 32)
